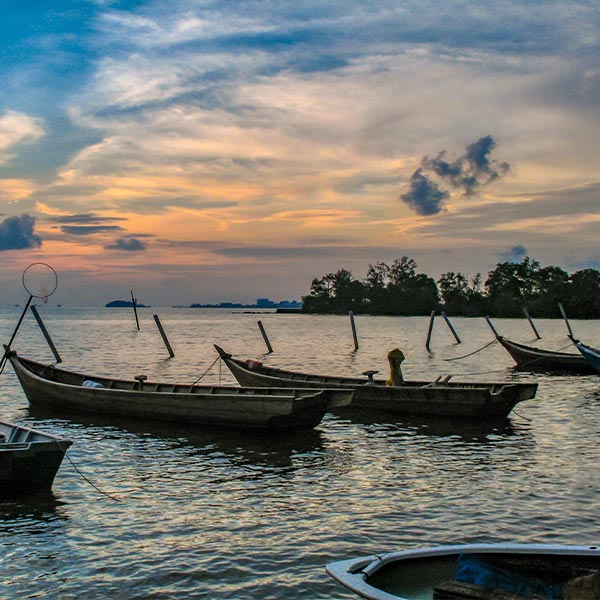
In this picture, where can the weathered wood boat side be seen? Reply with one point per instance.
(477, 401)
(29, 459)
(589, 354)
(537, 360)
(483, 571)
(226, 406)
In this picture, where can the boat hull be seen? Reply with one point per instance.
(230, 407)
(29, 459)
(589, 354)
(410, 574)
(536, 360)
(443, 400)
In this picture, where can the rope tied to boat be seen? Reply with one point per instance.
(472, 353)
(208, 370)
(86, 479)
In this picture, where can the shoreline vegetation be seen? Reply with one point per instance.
(398, 289)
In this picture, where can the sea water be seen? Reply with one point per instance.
(144, 510)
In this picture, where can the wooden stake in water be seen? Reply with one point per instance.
(451, 328)
(491, 326)
(564, 315)
(265, 337)
(12, 337)
(526, 313)
(38, 318)
(430, 330)
(134, 302)
(355, 337)
(164, 336)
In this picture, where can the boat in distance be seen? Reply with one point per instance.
(224, 406)
(441, 399)
(29, 459)
(589, 354)
(474, 572)
(537, 360)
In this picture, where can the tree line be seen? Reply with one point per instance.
(398, 289)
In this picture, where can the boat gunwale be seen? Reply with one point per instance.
(253, 393)
(38, 445)
(354, 573)
(539, 351)
(495, 388)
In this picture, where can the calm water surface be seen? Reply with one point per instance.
(203, 513)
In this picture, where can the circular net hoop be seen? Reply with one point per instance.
(40, 280)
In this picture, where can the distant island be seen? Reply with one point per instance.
(261, 303)
(124, 304)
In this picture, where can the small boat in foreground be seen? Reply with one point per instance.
(537, 360)
(29, 459)
(439, 398)
(589, 354)
(224, 406)
(475, 572)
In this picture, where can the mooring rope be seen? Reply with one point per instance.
(86, 479)
(474, 352)
(207, 370)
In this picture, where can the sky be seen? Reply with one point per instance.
(210, 150)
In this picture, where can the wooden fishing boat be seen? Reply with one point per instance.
(439, 398)
(529, 358)
(226, 406)
(475, 572)
(29, 459)
(589, 354)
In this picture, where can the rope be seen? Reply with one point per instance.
(207, 370)
(521, 416)
(474, 352)
(85, 478)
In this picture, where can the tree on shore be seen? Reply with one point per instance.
(398, 289)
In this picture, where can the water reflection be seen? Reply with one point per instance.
(481, 431)
(29, 510)
(243, 447)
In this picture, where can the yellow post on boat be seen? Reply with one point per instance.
(395, 358)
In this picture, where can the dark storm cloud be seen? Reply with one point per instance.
(467, 173)
(424, 195)
(16, 233)
(128, 244)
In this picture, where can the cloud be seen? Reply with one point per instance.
(128, 244)
(15, 128)
(467, 173)
(83, 219)
(424, 195)
(16, 233)
(88, 229)
(514, 255)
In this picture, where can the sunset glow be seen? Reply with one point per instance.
(210, 151)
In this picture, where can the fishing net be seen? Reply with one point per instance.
(40, 280)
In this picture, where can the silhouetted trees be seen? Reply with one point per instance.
(398, 289)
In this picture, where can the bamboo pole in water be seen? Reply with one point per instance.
(539, 337)
(38, 318)
(451, 328)
(134, 302)
(354, 334)
(164, 336)
(430, 330)
(265, 337)
(564, 315)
